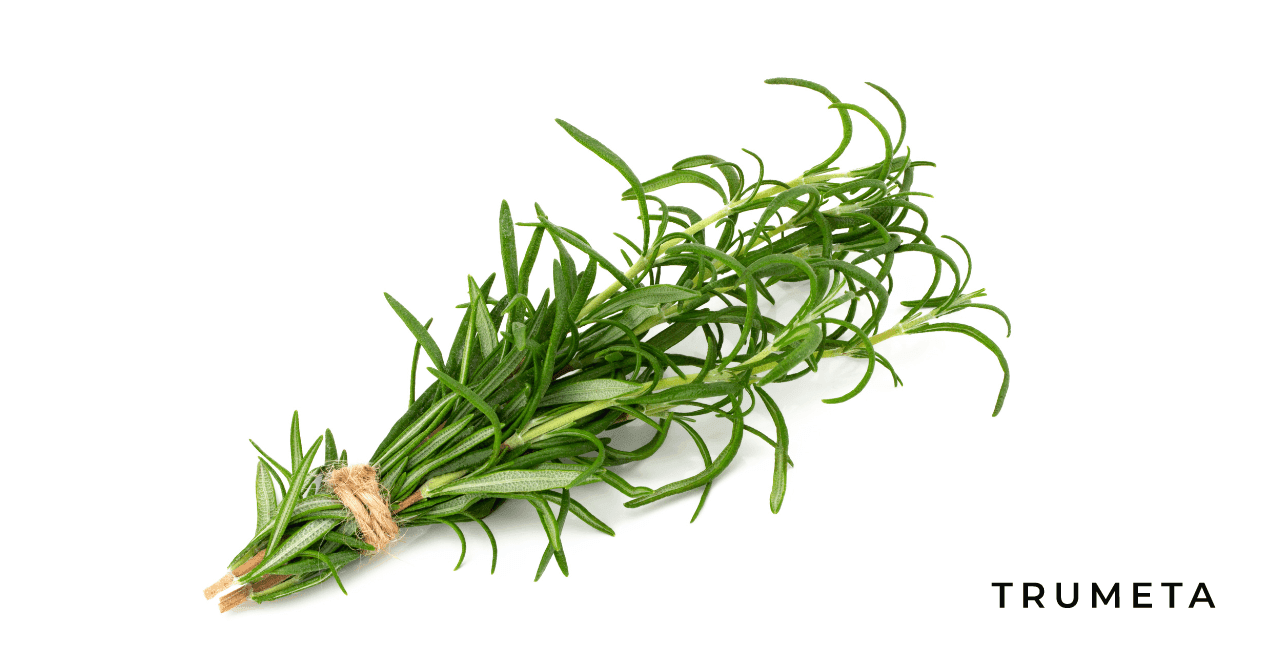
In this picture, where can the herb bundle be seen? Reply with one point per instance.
(517, 409)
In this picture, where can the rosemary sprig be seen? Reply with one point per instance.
(518, 405)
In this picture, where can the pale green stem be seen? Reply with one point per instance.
(646, 260)
(565, 420)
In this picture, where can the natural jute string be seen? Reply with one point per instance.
(358, 488)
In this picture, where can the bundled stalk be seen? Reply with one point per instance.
(519, 407)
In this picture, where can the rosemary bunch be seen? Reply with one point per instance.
(518, 407)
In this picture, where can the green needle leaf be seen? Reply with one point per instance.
(600, 150)
(289, 502)
(420, 331)
(644, 296)
(306, 535)
(332, 456)
(545, 518)
(979, 337)
(718, 465)
(844, 118)
(780, 451)
(809, 344)
(516, 481)
(1001, 313)
(472, 398)
(300, 567)
(489, 535)
(296, 444)
(508, 248)
(482, 319)
(459, 533)
(591, 390)
(358, 544)
(287, 473)
(266, 501)
(888, 142)
(563, 234)
(675, 178)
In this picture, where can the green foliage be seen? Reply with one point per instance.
(529, 386)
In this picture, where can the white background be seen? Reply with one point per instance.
(201, 206)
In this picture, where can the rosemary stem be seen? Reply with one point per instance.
(565, 420)
(646, 260)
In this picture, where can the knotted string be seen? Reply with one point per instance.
(359, 490)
